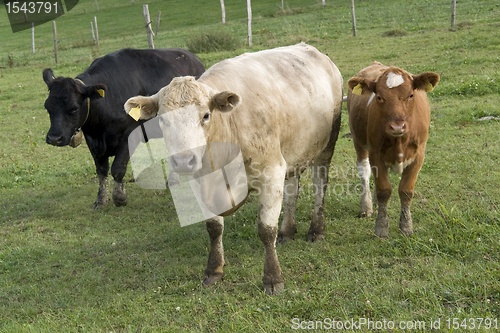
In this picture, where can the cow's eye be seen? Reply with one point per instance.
(379, 98)
(74, 110)
(411, 96)
(206, 117)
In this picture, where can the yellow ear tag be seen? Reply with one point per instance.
(357, 90)
(429, 87)
(135, 113)
(101, 92)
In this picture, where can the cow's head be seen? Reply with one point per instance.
(187, 110)
(392, 96)
(64, 104)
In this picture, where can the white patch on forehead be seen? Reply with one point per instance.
(371, 99)
(394, 80)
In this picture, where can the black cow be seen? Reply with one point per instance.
(93, 103)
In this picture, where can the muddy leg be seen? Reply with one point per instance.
(270, 200)
(288, 226)
(214, 271)
(319, 170)
(118, 170)
(102, 169)
(406, 190)
(383, 190)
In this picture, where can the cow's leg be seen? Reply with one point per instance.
(364, 171)
(288, 226)
(215, 265)
(118, 170)
(406, 187)
(270, 200)
(319, 170)
(383, 190)
(102, 169)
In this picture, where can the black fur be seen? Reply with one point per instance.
(106, 126)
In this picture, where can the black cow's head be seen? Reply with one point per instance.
(67, 106)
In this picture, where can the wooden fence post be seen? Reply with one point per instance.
(223, 9)
(323, 2)
(96, 5)
(92, 30)
(354, 32)
(96, 31)
(453, 12)
(249, 11)
(158, 22)
(55, 40)
(282, 5)
(147, 20)
(33, 37)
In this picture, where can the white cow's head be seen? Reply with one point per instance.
(187, 110)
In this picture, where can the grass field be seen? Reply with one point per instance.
(67, 268)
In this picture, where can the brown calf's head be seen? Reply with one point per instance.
(392, 96)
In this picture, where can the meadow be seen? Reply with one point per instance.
(67, 268)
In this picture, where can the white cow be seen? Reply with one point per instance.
(282, 108)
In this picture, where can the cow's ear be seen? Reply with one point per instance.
(426, 81)
(225, 101)
(95, 91)
(48, 76)
(147, 107)
(360, 85)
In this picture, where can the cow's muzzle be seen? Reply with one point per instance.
(397, 129)
(185, 163)
(56, 140)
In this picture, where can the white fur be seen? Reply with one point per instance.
(394, 80)
(364, 170)
(399, 167)
(182, 130)
(371, 99)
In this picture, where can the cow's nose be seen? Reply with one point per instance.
(398, 129)
(55, 140)
(184, 163)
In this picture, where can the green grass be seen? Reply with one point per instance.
(67, 268)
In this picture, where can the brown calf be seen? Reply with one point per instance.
(389, 116)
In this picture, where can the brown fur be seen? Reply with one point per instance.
(390, 130)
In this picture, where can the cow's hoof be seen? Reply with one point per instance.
(282, 239)
(119, 195)
(365, 214)
(382, 232)
(315, 237)
(274, 289)
(211, 280)
(98, 204)
(406, 231)
(119, 202)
